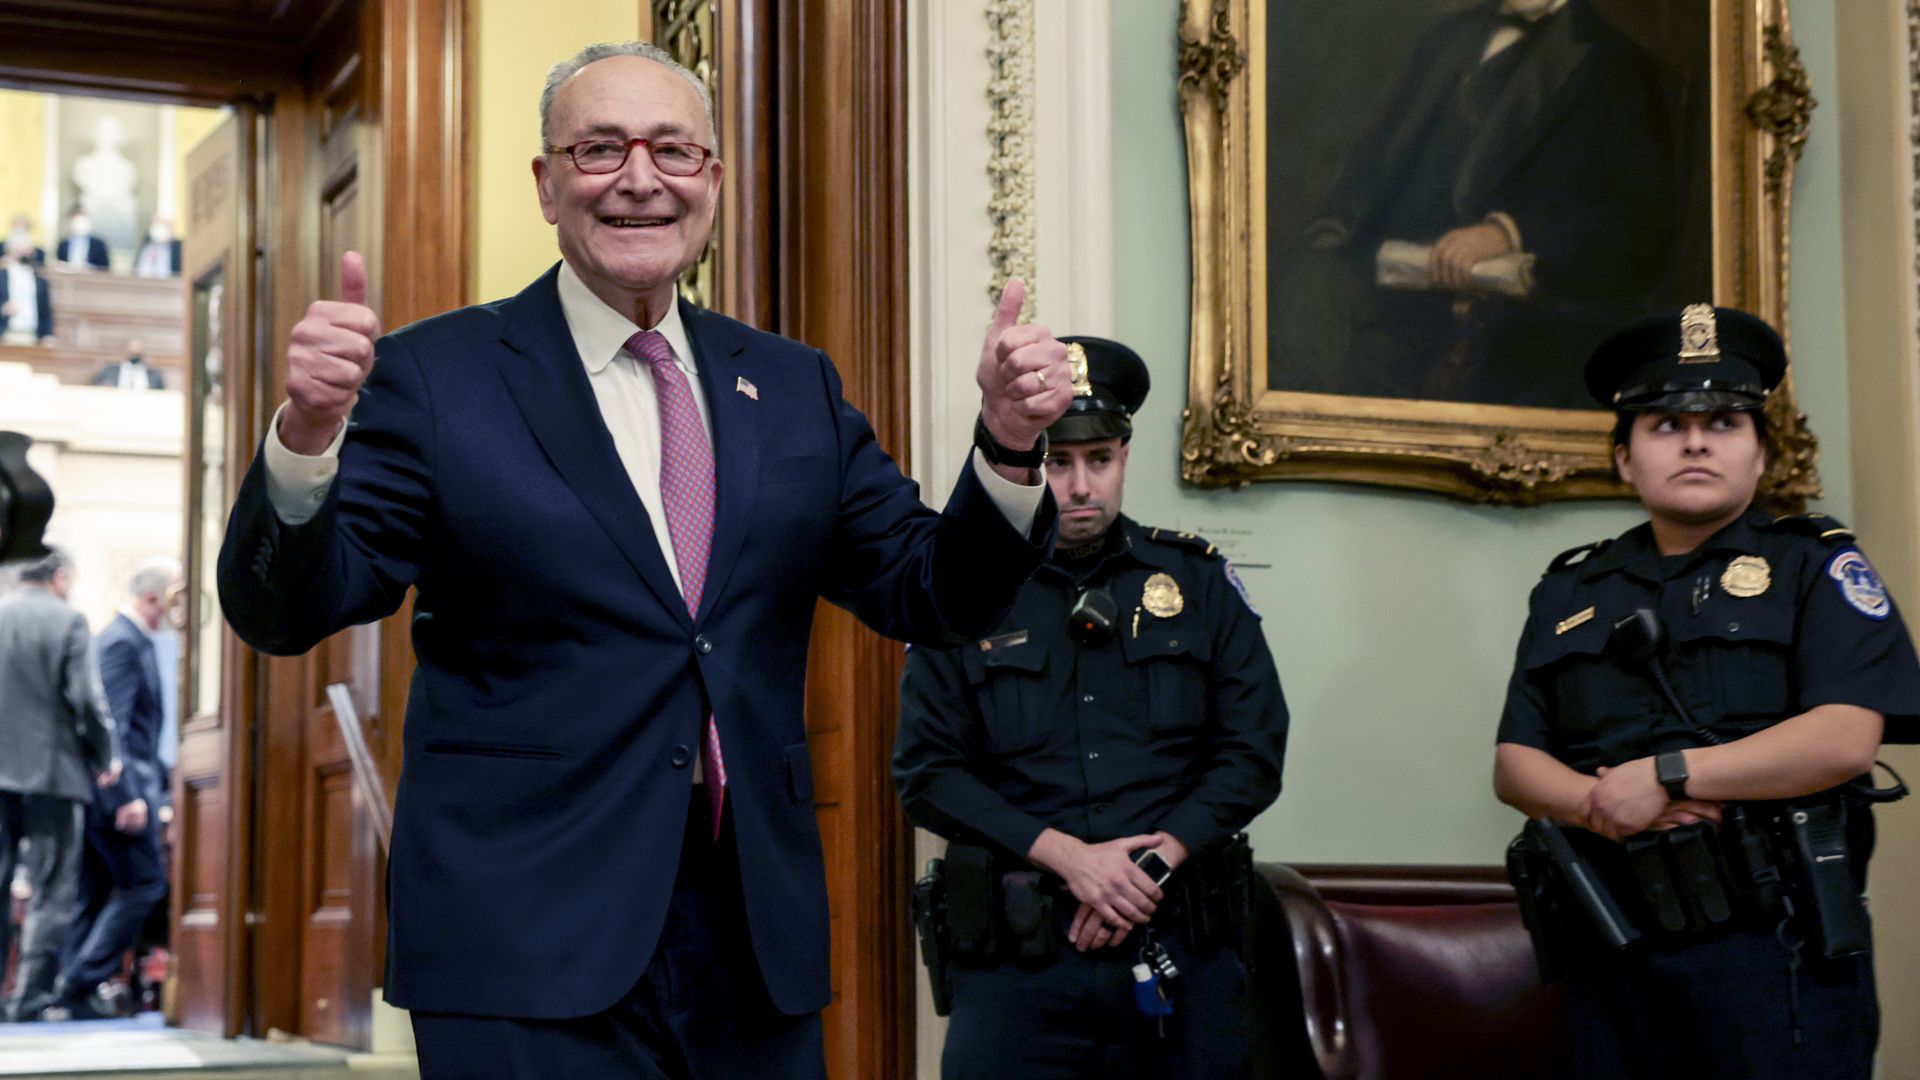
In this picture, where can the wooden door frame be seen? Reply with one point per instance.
(841, 260)
(419, 55)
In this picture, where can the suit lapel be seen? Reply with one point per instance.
(549, 384)
(718, 348)
(1534, 96)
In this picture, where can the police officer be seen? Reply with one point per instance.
(1699, 701)
(1127, 706)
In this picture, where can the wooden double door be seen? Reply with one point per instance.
(286, 763)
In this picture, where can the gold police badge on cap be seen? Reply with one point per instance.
(1699, 335)
(1162, 596)
(1077, 366)
(1748, 575)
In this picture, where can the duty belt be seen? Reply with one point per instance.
(997, 909)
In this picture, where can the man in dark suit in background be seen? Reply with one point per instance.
(620, 512)
(132, 372)
(21, 229)
(26, 304)
(126, 874)
(56, 743)
(159, 254)
(80, 249)
(1526, 130)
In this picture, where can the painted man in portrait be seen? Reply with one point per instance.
(1518, 194)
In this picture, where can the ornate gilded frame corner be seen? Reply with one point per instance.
(1236, 431)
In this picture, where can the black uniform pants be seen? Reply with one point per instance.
(1074, 1018)
(1722, 1006)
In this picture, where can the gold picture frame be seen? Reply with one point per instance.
(1238, 429)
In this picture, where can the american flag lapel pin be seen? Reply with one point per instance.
(741, 384)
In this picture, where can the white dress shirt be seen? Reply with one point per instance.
(1507, 35)
(23, 291)
(297, 484)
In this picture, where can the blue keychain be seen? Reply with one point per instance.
(1149, 996)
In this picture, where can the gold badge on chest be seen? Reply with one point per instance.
(1748, 575)
(1162, 596)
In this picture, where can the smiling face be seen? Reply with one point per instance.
(1087, 479)
(628, 234)
(1693, 468)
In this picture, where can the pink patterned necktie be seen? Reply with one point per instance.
(686, 493)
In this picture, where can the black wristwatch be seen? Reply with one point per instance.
(998, 453)
(1670, 769)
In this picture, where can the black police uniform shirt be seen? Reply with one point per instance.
(1176, 722)
(1765, 620)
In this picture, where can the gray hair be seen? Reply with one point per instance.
(154, 577)
(646, 50)
(42, 570)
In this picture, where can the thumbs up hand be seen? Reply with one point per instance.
(1024, 382)
(328, 356)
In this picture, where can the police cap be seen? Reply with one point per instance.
(1692, 360)
(1109, 384)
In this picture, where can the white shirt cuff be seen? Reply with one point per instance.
(297, 484)
(1020, 503)
(1509, 226)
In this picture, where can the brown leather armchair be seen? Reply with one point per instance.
(1402, 973)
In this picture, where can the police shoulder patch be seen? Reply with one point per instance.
(1239, 586)
(1819, 526)
(1576, 556)
(1857, 581)
(1184, 540)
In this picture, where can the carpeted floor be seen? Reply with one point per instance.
(143, 1047)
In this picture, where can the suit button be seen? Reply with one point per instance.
(700, 642)
(680, 757)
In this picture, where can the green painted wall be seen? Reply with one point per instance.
(1393, 616)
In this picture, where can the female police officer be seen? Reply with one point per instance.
(1698, 699)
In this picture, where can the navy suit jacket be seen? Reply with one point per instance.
(561, 686)
(130, 674)
(42, 301)
(96, 251)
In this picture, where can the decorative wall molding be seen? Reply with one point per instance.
(1913, 141)
(685, 28)
(1010, 134)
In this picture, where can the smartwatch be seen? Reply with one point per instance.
(998, 453)
(1670, 769)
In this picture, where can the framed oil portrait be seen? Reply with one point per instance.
(1414, 219)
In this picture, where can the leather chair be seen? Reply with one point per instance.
(1402, 973)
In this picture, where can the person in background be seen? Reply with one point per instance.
(21, 229)
(1696, 705)
(1124, 723)
(159, 254)
(132, 372)
(80, 249)
(57, 743)
(128, 875)
(26, 302)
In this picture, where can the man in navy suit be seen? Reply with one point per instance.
(80, 249)
(127, 873)
(619, 511)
